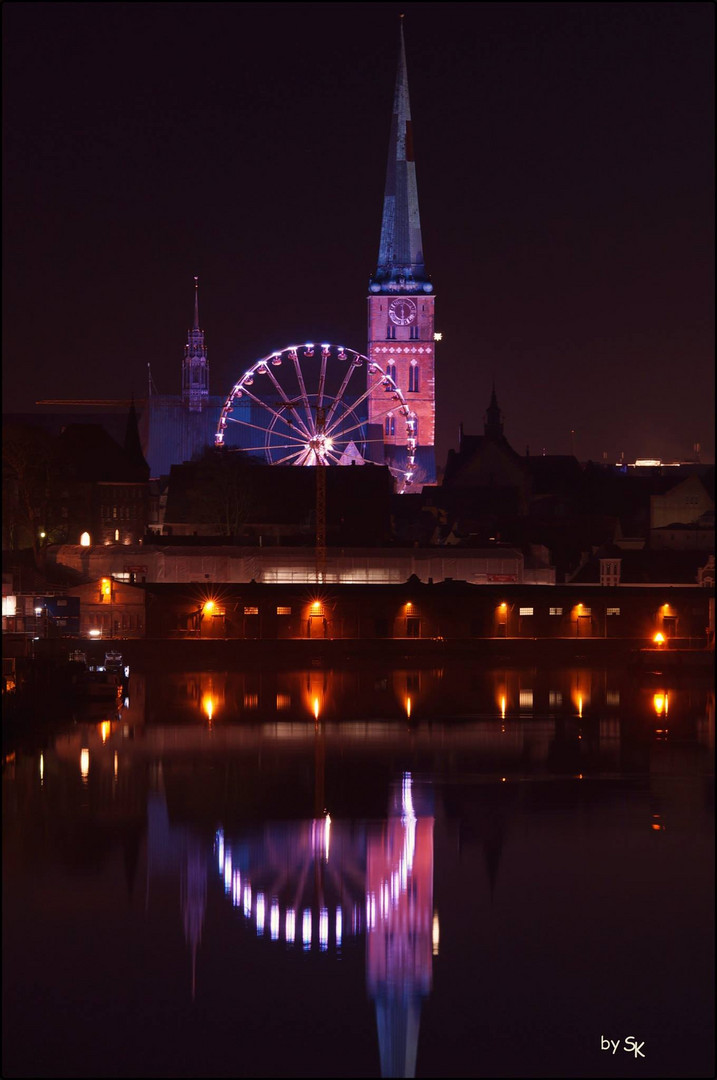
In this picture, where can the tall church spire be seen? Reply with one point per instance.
(401, 307)
(401, 266)
(195, 367)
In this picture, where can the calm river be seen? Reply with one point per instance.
(362, 870)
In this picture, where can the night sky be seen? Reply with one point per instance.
(564, 156)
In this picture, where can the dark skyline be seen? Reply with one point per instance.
(564, 156)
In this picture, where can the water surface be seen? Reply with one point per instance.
(370, 870)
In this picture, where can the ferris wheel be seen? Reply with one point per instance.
(319, 405)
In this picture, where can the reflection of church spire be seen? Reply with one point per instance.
(399, 888)
(194, 900)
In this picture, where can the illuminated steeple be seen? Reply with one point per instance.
(401, 301)
(401, 266)
(195, 367)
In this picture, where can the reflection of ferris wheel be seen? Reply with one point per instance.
(311, 404)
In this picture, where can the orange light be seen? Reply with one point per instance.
(660, 703)
(316, 708)
(106, 586)
(409, 604)
(408, 707)
(208, 607)
(659, 639)
(503, 606)
(316, 606)
(208, 706)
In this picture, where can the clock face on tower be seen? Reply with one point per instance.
(402, 311)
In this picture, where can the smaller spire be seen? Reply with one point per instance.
(494, 418)
(195, 367)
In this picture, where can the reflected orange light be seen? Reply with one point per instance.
(208, 706)
(105, 730)
(660, 703)
(408, 706)
(316, 708)
(84, 762)
(502, 705)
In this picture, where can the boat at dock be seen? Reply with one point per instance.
(102, 684)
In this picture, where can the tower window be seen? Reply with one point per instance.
(413, 378)
(390, 426)
(390, 332)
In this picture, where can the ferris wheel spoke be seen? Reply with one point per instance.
(333, 456)
(298, 454)
(302, 389)
(259, 427)
(322, 378)
(269, 445)
(287, 401)
(367, 393)
(382, 442)
(342, 390)
(265, 405)
(338, 432)
(393, 407)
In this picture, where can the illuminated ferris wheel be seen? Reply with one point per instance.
(319, 404)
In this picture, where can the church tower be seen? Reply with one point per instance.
(401, 301)
(195, 367)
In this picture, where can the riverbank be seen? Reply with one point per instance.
(198, 653)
